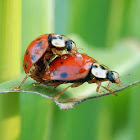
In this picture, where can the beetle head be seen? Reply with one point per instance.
(70, 45)
(113, 77)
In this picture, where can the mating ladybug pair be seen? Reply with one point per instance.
(68, 67)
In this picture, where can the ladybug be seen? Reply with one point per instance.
(40, 52)
(78, 69)
(47, 46)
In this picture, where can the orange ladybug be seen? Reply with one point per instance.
(78, 69)
(40, 52)
(47, 46)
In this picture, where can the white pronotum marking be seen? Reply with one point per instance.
(58, 42)
(98, 72)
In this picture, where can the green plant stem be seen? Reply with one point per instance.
(10, 38)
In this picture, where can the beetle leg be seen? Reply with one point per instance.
(73, 51)
(120, 84)
(58, 95)
(18, 88)
(54, 84)
(72, 86)
(98, 83)
(108, 86)
(36, 84)
(110, 90)
(114, 89)
(92, 81)
(57, 52)
(76, 84)
(98, 87)
(47, 56)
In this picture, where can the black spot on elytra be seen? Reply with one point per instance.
(61, 62)
(39, 44)
(38, 39)
(26, 64)
(33, 57)
(27, 51)
(63, 75)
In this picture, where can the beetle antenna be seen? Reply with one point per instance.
(120, 84)
(124, 75)
(80, 48)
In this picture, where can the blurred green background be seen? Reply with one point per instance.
(102, 25)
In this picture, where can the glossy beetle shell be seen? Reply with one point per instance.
(35, 51)
(69, 67)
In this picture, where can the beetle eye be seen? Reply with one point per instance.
(60, 37)
(68, 45)
(112, 76)
(54, 37)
